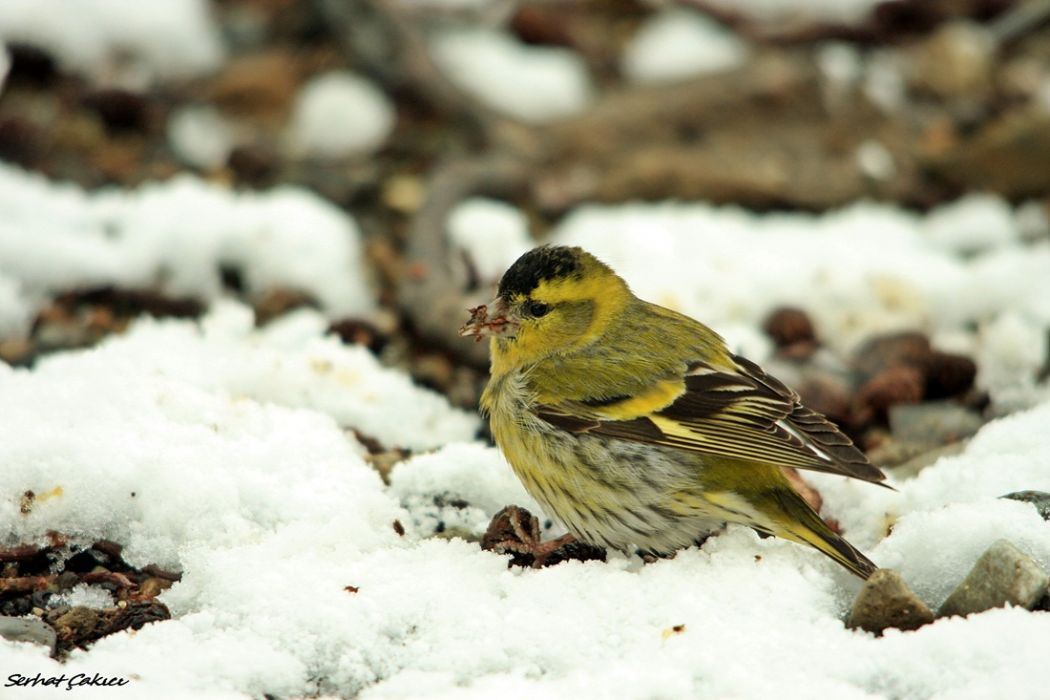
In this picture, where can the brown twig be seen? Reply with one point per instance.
(26, 584)
(23, 552)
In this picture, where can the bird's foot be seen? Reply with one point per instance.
(516, 531)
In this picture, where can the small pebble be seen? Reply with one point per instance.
(788, 325)
(886, 602)
(27, 629)
(933, 422)
(120, 110)
(1004, 575)
(881, 353)
(895, 385)
(1039, 499)
(948, 374)
(910, 466)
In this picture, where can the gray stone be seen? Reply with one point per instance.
(910, 467)
(933, 422)
(1003, 575)
(886, 602)
(27, 629)
(1039, 499)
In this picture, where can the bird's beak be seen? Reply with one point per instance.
(492, 319)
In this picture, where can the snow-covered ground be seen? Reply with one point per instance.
(228, 452)
(114, 41)
(676, 43)
(532, 83)
(177, 237)
(233, 454)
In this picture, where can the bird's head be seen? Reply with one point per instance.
(553, 299)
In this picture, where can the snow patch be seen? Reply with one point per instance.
(675, 44)
(176, 237)
(532, 83)
(110, 40)
(340, 114)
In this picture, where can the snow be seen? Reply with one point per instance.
(494, 234)
(973, 224)
(176, 236)
(85, 596)
(799, 12)
(15, 312)
(875, 160)
(271, 513)
(447, 4)
(110, 40)
(840, 63)
(676, 43)
(200, 136)
(532, 83)
(459, 486)
(231, 453)
(884, 82)
(339, 114)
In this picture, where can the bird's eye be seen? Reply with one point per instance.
(538, 308)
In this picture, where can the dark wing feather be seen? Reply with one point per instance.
(744, 414)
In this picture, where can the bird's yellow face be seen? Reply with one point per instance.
(551, 301)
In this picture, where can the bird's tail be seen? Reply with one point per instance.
(797, 522)
(780, 511)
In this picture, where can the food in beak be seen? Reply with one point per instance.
(480, 325)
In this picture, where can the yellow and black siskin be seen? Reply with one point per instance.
(635, 425)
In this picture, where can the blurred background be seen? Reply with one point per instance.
(384, 160)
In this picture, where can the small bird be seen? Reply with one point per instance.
(636, 426)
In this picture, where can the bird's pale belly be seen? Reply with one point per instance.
(609, 492)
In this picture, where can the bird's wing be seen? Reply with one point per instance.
(741, 413)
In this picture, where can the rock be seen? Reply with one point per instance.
(908, 467)
(788, 326)
(28, 629)
(948, 374)
(904, 369)
(359, 331)
(1039, 499)
(254, 166)
(120, 110)
(895, 385)
(933, 423)
(956, 62)
(885, 451)
(21, 141)
(886, 602)
(31, 65)
(16, 351)
(909, 348)
(1004, 575)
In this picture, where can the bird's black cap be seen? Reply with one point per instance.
(545, 263)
